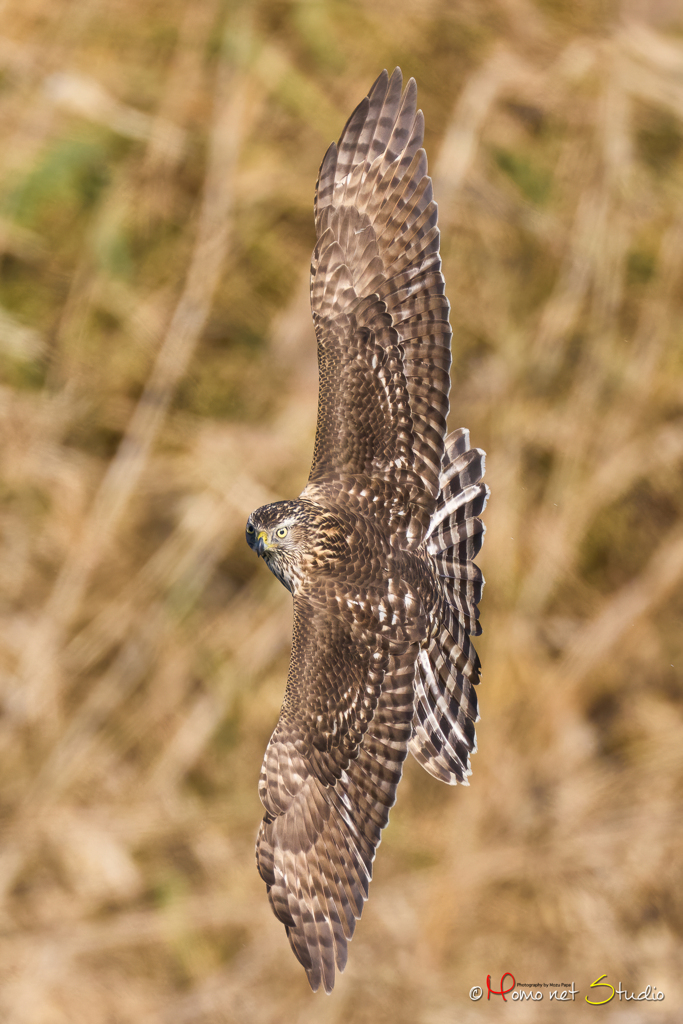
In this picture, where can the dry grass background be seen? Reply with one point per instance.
(159, 382)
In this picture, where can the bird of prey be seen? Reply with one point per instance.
(378, 549)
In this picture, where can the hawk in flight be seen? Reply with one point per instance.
(378, 549)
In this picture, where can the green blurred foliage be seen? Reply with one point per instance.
(532, 181)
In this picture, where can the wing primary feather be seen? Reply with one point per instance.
(387, 117)
(348, 142)
(325, 187)
(403, 121)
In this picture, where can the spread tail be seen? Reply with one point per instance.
(448, 668)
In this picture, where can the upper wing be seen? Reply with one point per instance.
(379, 308)
(330, 773)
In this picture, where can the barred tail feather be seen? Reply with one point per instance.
(456, 534)
(448, 669)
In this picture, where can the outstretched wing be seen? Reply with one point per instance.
(380, 312)
(331, 769)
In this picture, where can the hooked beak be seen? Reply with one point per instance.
(261, 543)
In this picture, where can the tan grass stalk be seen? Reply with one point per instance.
(38, 668)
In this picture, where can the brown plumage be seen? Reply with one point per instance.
(378, 550)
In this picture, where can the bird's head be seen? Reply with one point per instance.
(293, 538)
(277, 533)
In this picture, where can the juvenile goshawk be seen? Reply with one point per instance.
(378, 549)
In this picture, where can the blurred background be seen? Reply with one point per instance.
(159, 381)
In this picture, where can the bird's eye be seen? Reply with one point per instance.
(282, 532)
(250, 528)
